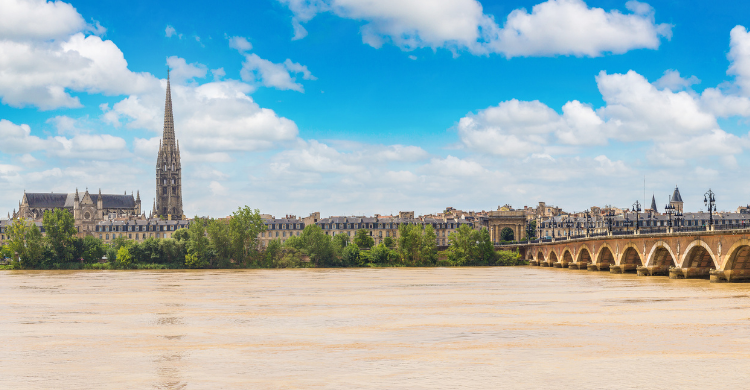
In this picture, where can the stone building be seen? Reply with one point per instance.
(87, 209)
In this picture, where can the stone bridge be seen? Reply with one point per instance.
(721, 256)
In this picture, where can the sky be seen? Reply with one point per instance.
(358, 107)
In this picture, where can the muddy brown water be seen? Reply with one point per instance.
(425, 328)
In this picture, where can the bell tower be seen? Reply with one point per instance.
(168, 167)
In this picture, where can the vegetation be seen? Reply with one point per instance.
(233, 243)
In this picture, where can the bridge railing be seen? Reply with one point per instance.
(622, 232)
(602, 234)
(690, 229)
(729, 226)
(653, 231)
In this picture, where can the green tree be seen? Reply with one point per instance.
(197, 244)
(93, 249)
(273, 253)
(382, 255)
(341, 239)
(389, 242)
(428, 250)
(350, 256)
(123, 258)
(486, 254)
(181, 234)
(34, 253)
(59, 226)
(221, 241)
(172, 251)
(363, 239)
(244, 229)
(463, 248)
(507, 234)
(120, 242)
(508, 258)
(318, 246)
(151, 252)
(25, 241)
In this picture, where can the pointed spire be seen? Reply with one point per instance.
(676, 197)
(138, 195)
(168, 137)
(653, 204)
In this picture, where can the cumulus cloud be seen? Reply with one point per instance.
(181, 71)
(269, 74)
(217, 116)
(241, 44)
(679, 124)
(17, 139)
(674, 82)
(554, 27)
(46, 52)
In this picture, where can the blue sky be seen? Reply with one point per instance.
(362, 107)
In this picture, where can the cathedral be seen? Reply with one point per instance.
(90, 210)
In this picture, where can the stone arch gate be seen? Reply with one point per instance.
(722, 256)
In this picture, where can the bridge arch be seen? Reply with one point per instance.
(567, 256)
(699, 254)
(661, 254)
(630, 255)
(584, 254)
(738, 256)
(605, 255)
(552, 259)
(539, 256)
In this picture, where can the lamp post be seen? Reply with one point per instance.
(709, 199)
(669, 209)
(610, 217)
(568, 224)
(540, 225)
(588, 223)
(636, 209)
(554, 226)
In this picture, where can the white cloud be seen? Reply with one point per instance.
(241, 44)
(674, 82)
(555, 27)
(170, 32)
(86, 146)
(38, 19)
(739, 55)
(269, 74)
(181, 71)
(217, 116)
(17, 139)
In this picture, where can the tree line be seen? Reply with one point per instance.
(234, 243)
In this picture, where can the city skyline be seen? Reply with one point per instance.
(293, 107)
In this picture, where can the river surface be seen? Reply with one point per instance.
(406, 328)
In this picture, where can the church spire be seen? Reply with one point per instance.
(653, 204)
(168, 137)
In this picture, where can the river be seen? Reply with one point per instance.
(393, 328)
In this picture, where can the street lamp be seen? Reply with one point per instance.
(636, 209)
(670, 210)
(610, 217)
(568, 224)
(588, 222)
(709, 199)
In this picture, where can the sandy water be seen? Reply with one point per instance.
(424, 328)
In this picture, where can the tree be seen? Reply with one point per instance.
(382, 255)
(463, 245)
(172, 251)
(181, 234)
(506, 234)
(428, 251)
(389, 242)
(244, 229)
(59, 226)
(272, 253)
(318, 246)
(350, 255)
(25, 240)
(341, 239)
(197, 244)
(363, 239)
(485, 249)
(409, 243)
(221, 242)
(93, 249)
(124, 260)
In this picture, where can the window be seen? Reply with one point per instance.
(107, 236)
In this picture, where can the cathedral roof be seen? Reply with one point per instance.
(676, 196)
(62, 200)
(118, 201)
(48, 200)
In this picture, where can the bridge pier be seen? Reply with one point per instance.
(654, 270)
(623, 269)
(730, 276)
(534, 263)
(544, 264)
(579, 265)
(690, 273)
(598, 267)
(560, 264)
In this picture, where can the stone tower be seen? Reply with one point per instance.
(168, 168)
(676, 200)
